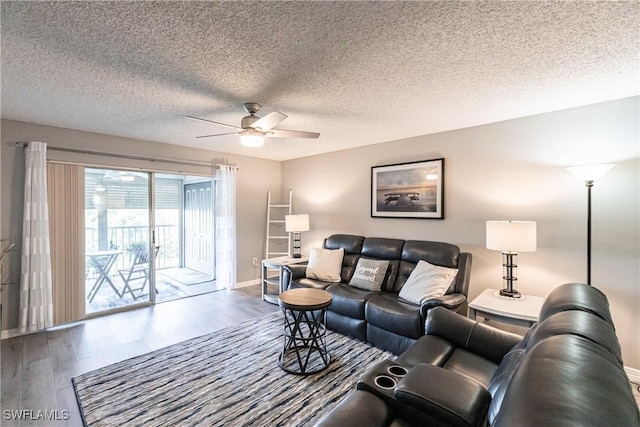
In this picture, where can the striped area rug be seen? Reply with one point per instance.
(227, 378)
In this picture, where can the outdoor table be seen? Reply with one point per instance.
(102, 261)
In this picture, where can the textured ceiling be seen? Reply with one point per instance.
(357, 72)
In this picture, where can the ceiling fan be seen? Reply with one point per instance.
(254, 129)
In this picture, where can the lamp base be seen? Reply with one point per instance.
(296, 252)
(511, 293)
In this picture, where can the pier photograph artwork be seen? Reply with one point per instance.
(408, 190)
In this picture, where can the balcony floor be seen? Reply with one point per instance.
(171, 284)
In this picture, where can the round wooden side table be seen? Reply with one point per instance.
(305, 349)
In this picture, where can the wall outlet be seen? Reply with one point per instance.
(255, 261)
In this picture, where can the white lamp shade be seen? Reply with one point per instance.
(511, 236)
(296, 223)
(590, 172)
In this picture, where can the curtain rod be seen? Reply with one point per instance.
(125, 156)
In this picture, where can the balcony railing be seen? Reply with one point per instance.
(127, 237)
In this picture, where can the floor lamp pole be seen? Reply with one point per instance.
(589, 174)
(589, 184)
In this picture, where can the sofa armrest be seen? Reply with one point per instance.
(444, 397)
(464, 273)
(450, 301)
(462, 332)
(292, 272)
(358, 408)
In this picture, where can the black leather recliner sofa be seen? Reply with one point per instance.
(566, 371)
(382, 318)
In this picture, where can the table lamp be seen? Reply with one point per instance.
(511, 237)
(296, 224)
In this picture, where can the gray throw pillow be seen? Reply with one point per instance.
(369, 274)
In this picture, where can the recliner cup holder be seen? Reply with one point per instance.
(397, 370)
(385, 382)
(382, 379)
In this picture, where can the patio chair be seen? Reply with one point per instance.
(138, 271)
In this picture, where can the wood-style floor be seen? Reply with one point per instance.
(37, 368)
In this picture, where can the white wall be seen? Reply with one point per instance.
(508, 170)
(255, 178)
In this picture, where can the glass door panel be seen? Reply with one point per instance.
(118, 244)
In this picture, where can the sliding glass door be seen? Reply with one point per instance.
(119, 246)
(132, 260)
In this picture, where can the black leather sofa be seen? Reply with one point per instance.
(566, 371)
(382, 318)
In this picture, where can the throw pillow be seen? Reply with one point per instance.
(427, 281)
(325, 264)
(369, 274)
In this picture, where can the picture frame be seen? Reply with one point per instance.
(408, 190)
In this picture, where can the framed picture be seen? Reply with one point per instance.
(408, 190)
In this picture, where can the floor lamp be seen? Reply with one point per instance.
(589, 174)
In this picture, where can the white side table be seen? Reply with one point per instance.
(268, 293)
(522, 311)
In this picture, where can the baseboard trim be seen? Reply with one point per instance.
(633, 374)
(12, 333)
(247, 283)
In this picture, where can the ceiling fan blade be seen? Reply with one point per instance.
(282, 133)
(269, 121)
(215, 123)
(217, 134)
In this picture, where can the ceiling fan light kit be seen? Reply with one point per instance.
(251, 138)
(254, 129)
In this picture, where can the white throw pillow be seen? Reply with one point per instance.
(427, 281)
(325, 264)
